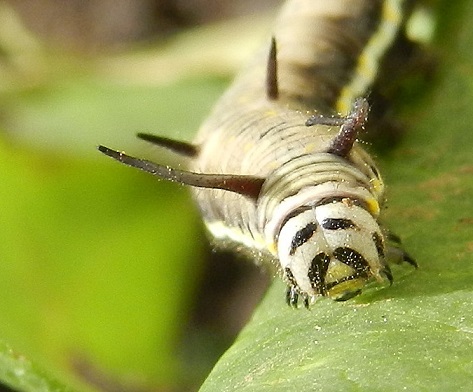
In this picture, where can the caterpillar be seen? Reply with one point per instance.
(275, 170)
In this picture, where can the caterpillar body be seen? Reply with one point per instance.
(293, 188)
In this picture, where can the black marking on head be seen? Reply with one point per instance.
(338, 224)
(294, 213)
(272, 89)
(302, 236)
(352, 258)
(177, 146)
(248, 186)
(378, 242)
(356, 119)
(317, 271)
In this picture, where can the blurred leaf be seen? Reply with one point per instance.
(212, 49)
(62, 101)
(98, 262)
(90, 270)
(19, 373)
(76, 114)
(416, 335)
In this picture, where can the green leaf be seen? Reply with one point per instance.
(94, 283)
(417, 334)
(91, 277)
(23, 375)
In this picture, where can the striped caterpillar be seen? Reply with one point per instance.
(295, 189)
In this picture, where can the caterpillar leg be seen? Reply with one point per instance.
(395, 254)
(292, 297)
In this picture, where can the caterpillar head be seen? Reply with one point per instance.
(331, 250)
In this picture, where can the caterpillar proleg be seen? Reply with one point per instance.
(273, 169)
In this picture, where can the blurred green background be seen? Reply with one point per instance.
(102, 267)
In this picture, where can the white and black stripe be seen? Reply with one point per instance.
(297, 188)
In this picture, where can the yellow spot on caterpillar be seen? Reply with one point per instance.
(351, 286)
(377, 186)
(271, 113)
(373, 206)
(273, 249)
(337, 271)
(310, 148)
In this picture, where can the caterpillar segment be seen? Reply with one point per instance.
(273, 169)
